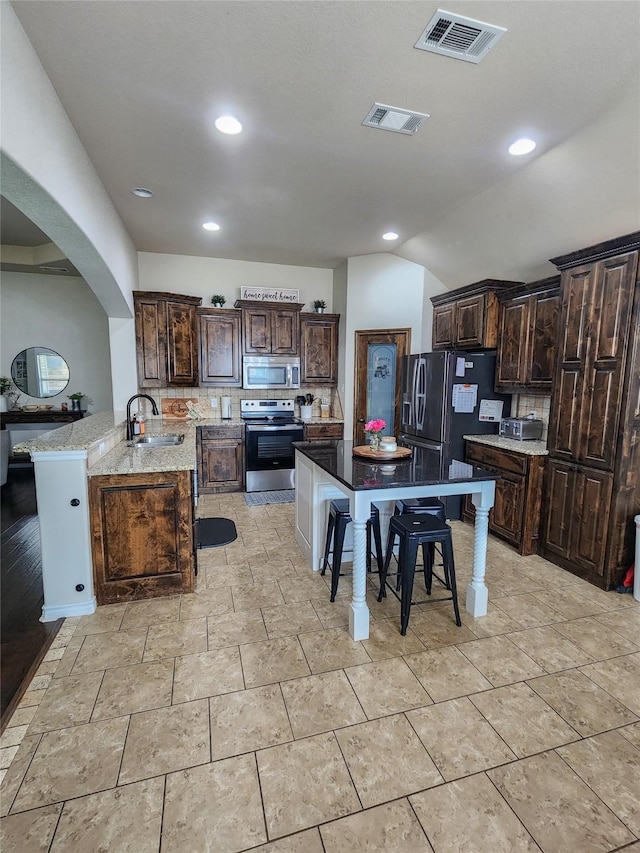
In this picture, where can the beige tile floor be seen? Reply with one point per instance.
(244, 716)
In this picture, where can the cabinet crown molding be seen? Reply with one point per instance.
(484, 286)
(608, 249)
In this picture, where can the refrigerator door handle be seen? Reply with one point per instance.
(412, 401)
(420, 395)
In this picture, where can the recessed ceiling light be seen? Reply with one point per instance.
(228, 124)
(521, 146)
(210, 226)
(142, 192)
(390, 235)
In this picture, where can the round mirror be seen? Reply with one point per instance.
(40, 372)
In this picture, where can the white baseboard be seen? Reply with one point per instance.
(61, 611)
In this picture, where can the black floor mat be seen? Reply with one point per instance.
(212, 532)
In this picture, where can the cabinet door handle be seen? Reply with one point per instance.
(75, 502)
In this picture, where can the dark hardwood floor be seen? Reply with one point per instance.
(24, 639)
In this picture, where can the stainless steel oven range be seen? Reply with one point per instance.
(270, 430)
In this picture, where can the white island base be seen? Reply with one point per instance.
(315, 487)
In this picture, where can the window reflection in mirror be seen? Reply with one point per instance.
(40, 372)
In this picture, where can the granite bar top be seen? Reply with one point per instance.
(528, 448)
(79, 435)
(425, 467)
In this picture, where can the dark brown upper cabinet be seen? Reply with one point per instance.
(319, 349)
(467, 318)
(527, 336)
(220, 345)
(270, 328)
(166, 339)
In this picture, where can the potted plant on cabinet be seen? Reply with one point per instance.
(319, 305)
(218, 300)
(76, 398)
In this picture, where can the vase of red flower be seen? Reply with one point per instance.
(374, 430)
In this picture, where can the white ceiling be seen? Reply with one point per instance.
(305, 183)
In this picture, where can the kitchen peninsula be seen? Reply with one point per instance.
(326, 471)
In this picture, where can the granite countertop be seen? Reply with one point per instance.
(528, 448)
(125, 459)
(79, 435)
(85, 434)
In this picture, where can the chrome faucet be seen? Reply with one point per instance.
(154, 410)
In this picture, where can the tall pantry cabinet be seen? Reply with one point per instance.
(592, 485)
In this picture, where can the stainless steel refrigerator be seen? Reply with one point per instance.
(448, 394)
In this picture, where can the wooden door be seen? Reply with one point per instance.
(256, 331)
(141, 531)
(556, 531)
(319, 349)
(398, 342)
(151, 341)
(470, 322)
(611, 301)
(221, 466)
(590, 523)
(544, 311)
(285, 331)
(508, 509)
(513, 350)
(182, 349)
(443, 326)
(568, 387)
(220, 347)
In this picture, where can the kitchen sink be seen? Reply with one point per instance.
(157, 440)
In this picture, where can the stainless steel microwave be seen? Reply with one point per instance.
(270, 371)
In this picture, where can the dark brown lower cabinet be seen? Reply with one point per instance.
(576, 524)
(141, 535)
(515, 515)
(220, 459)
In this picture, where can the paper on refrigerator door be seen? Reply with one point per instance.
(464, 398)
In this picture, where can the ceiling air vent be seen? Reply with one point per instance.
(395, 119)
(459, 37)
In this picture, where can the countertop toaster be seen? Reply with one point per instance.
(522, 429)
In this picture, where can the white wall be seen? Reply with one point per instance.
(64, 315)
(383, 292)
(205, 276)
(580, 193)
(47, 174)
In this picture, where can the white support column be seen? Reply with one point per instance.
(63, 513)
(477, 592)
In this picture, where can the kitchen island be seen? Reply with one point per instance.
(329, 470)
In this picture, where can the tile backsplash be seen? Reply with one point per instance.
(523, 404)
(238, 394)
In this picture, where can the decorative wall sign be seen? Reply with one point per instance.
(269, 294)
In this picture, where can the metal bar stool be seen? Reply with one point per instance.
(413, 531)
(424, 506)
(339, 518)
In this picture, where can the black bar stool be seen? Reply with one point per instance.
(430, 506)
(413, 531)
(339, 518)
(424, 506)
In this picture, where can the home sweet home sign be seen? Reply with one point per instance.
(269, 294)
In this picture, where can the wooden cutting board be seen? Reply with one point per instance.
(366, 452)
(176, 407)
